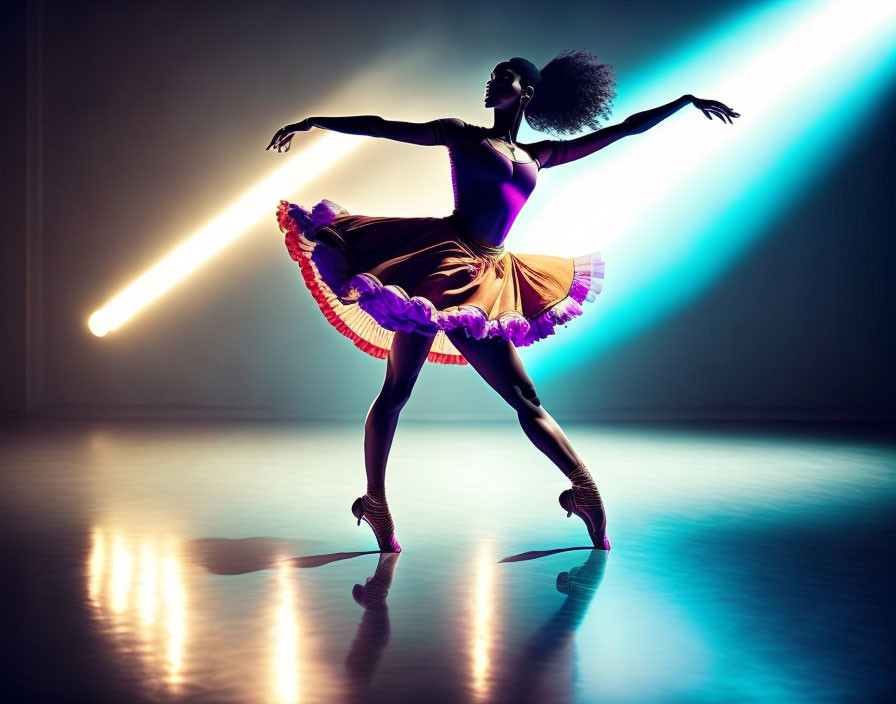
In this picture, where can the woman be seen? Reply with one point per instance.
(444, 289)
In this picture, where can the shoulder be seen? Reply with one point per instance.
(459, 135)
(454, 123)
(545, 151)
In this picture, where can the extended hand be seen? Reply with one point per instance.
(714, 107)
(283, 136)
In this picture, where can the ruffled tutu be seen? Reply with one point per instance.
(372, 276)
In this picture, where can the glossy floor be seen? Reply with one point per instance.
(219, 562)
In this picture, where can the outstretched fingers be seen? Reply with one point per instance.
(274, 139)
(714, 107)
(282, 137)
(709, 112)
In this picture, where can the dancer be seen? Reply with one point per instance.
(445, 289)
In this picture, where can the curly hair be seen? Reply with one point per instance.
(572, 91)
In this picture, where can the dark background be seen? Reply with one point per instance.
(127, 126)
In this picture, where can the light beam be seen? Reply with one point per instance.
(256, 204)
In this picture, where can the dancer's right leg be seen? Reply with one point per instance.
(406, 357)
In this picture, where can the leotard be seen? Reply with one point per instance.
(490, 188)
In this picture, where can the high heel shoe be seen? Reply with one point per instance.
(385, 536)
(594, 520)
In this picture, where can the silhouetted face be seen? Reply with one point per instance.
(503, 88)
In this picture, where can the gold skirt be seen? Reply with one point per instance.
(372, 276)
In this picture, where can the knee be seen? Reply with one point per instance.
(397, 392)
(526, 398)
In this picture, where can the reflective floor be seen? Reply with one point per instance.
(148, 561)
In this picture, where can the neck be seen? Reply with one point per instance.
(506, 123)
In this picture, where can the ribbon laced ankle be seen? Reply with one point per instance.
(376, 509)
(584, 490)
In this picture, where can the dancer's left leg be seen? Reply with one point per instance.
(496, 360)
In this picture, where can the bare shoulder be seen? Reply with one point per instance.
(541, 151)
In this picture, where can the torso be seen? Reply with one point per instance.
(490, 186)
(516, 154)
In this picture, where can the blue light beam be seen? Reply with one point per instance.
(672, 208)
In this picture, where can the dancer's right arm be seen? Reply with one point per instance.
(429, 134)
(447, 131)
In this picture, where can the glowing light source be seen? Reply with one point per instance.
(683, 200)
(257, 203)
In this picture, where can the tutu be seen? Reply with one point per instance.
(372, 276)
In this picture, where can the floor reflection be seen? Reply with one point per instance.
(285, 640)
(483, 627)
(149, 565)
(136, 589)
(372, 635)
(137, 594)
(550, 649)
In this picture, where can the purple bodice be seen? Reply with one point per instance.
(490, 188)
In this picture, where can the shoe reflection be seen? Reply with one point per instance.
(529, 678)
(580, 585)
(373, 630)
(542, 670)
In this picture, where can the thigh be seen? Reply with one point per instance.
(497, 361)
(406, 357)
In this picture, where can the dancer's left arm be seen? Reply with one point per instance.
(555, 152)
